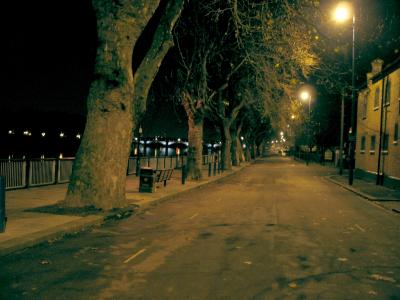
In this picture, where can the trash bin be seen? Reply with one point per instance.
(147, 180)
(3, 218)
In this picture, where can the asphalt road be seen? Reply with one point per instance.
(275, 230)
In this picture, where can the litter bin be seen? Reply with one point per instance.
(3, 218)
(147, 180)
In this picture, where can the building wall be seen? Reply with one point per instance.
(368, 125)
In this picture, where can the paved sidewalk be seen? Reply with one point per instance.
(383, 196)
(26, 226)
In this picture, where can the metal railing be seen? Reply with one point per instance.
(21, 173)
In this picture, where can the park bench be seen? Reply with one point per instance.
(163, 175)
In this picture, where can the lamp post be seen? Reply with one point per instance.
(344, 12)
(306, 96)
(140, 131)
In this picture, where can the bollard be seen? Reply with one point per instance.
(183, 174)
(209, 169)
(3, 218)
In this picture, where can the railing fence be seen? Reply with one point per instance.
(21, 173)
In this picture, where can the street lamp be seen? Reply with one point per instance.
(305, 95)
(342, 13)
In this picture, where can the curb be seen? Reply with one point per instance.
(56, 232)
(355, 191)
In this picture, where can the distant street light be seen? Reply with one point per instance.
(43, 134)
(343, 12)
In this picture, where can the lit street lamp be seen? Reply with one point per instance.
(305, 95)
(344, 12)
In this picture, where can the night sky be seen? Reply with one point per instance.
(49, 50)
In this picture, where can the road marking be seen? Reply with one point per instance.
(134, 255)
(359, 227)
(194, 216)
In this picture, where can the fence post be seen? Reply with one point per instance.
(3, 218)
(209, 169)
(183, 174)
(57, 171)
(28, 173)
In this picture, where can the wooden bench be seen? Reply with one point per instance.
(163, 175)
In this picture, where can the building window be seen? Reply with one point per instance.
(396, 133)
(364, 106)
(362, 150)
(385, 143)
(376, 99)
(388, 92)
(372, 145)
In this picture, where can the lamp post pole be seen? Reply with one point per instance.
(309, 129)
(341, 135)
(138, 152)
(352, 132)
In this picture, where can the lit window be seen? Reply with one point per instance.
(376, 99)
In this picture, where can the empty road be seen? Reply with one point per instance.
(276, 230)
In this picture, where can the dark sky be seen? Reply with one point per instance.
(49, 49)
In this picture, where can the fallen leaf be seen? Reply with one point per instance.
(382, 278)
(372, 293)
(45, 262)
(293, 285)
(247, 262)
(342, 259)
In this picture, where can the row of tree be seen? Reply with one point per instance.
(237, 63)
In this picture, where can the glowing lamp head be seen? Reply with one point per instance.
(343, 12)
(304, 95)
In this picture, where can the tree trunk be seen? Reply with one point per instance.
(239, 148)
(226, 146)
(195, 138)
(99, 172)
(234, 149)
(195, 150)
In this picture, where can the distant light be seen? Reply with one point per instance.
(78, 136)
(281, 133)
(242, 138)
(61, 134)
(27, 132)
(179, 140)
(284, 140)
(11, 132)
(43, 134)
(135, 138)
(288, 126)
(244, 146)
(292, 117)
(60, 156)
(272, 142)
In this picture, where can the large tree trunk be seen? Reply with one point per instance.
(239, 148)
(234, 148)
(226, 146)
(99, 172)
(195, 138)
